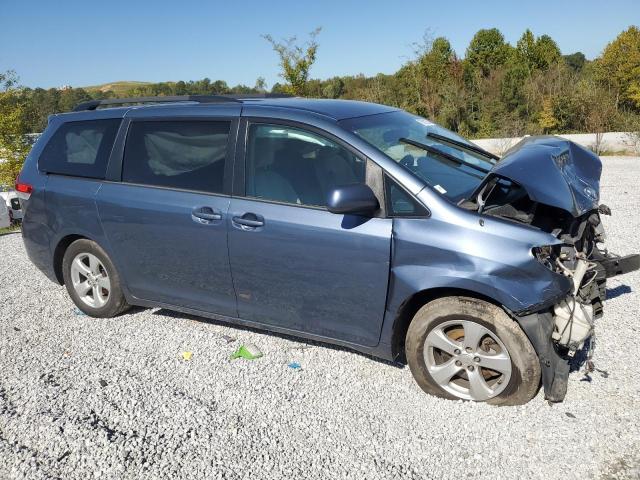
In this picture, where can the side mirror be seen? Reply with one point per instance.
(357, 199)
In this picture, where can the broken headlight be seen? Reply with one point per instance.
(547, 255)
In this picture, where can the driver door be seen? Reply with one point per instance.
(295, 265)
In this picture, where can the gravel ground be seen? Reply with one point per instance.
(81, 397)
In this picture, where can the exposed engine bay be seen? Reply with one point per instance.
(582, 257)
(553, 185)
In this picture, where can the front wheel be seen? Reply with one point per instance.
(92, 281)
(465, 348)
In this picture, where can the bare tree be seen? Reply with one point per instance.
(597, 110)
(261, 85)
(633, 136)
(633, 140)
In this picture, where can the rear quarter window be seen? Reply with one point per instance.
(80, 148)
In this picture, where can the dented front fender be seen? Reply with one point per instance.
(488, 256)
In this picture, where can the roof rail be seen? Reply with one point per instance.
(249, 96)
(94, 104)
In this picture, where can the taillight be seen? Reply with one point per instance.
(24, 190)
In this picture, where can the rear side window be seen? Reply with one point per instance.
(80, 148)
(187, 155)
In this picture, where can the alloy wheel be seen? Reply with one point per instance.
(90, 280)
(467, 360)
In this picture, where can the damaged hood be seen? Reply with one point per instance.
(555, 172)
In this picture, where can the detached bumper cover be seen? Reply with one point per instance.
(554, 369)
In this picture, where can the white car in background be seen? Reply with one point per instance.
(13, 204)
(5, 219)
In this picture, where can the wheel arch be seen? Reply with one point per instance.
(59, 251)
(410, 306)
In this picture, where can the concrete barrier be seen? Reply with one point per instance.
(610, 142)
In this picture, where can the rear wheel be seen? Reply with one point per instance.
(464, 348)
(92, 281)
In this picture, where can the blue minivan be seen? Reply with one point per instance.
(340, 221)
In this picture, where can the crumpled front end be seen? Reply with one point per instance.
(553, 184)
(559, 332)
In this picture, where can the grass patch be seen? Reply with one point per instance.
(11, 229)
(119, 88)
(618, 153)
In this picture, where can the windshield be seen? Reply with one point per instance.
(444, 160)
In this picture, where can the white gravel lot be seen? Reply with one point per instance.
(82, 398)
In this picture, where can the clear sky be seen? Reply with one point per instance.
(79, 43)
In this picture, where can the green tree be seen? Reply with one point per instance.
(295, 60)
(488, 50)
(14, 145)
(334, 88)
(525, 49)
(537, 53)
(278, 88)
(487, 57)
(619, 67)
(575, 61)
(435, 59)
(453, 111)
(546, 52)
(432, 70)
(512, 87)
(180, 88)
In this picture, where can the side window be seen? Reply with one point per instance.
(181, 154)
(80, 148)
(400, 203)
(291, 165)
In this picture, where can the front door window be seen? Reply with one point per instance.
(291, 165)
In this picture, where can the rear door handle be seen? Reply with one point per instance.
(205, 214)
(249, 220)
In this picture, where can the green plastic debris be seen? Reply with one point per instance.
(248, 351)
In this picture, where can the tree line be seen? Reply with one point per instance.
(496, 89)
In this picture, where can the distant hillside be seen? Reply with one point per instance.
(119, 88)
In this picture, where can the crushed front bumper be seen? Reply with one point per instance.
(539, 326)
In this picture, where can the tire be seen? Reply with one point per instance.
(96, 273)
(437, 344)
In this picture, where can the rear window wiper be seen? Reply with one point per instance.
(437, 151)
(464, 146)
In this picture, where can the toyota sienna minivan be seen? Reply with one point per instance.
(340, 221)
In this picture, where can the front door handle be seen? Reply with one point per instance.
(250, 220)
(205, 215)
